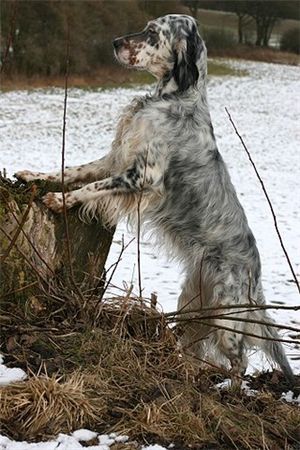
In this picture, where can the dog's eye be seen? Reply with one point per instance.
(152, 31)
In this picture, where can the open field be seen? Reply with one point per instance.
(264, 107)
(229, 20)
(106, 77)
(262, 100)
(109, 77)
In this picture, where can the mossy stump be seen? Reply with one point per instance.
(37, 259)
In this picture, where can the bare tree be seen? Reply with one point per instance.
(265, 15)
(193, 6)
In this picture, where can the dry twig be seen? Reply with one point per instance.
(268, 200)
(72, 278)
(20, 225)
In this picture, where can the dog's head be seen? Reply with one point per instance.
(169, 47)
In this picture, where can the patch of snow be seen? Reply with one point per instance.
(106, 440)
(52, 445)
(8, 375)
(84, 435)
(66, 442)
(247, 390)
(3, 441)
(289, 397)
(266, 112)
(120, 439)
(226, 384)
(154, 447)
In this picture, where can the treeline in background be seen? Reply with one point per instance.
(34, 33)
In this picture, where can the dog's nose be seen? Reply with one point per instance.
(117, 43)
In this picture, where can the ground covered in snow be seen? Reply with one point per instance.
(80, 439)
(263, 105)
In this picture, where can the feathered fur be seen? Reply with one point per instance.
(165, 159)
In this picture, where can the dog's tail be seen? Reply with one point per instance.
(271, 345)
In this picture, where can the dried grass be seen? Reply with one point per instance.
(131, 378)
(253, 53)
(44, 406)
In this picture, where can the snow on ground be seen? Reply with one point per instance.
(73, 442)
(263, 105)
(8, 375)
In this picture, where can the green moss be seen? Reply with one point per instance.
(21, 192)
(2, 211)
(221, 69)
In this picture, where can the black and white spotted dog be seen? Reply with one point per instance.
(165, 159)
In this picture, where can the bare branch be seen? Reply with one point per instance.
(25, 257)
(238, 319)
(21, 224)
(63, 171)
(256, 336)
(10, 37)
(268, 200)
(139, 231)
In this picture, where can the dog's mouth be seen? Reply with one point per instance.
(127, 59)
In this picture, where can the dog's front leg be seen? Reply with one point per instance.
(95, 170)
(137, 178)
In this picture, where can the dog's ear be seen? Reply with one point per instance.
(187, 51)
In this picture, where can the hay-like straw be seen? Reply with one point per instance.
(129, 377)
(44, 406)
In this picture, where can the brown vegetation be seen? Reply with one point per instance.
(259, 54)
(127, 375)
(114, 365)
(34, 33)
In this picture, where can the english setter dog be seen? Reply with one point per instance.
(165, 161)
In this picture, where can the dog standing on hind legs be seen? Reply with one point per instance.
(165, 149)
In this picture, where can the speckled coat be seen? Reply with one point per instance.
(165, 163)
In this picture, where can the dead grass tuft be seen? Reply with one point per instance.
(44, 406)
(253, 53)
(129, 377)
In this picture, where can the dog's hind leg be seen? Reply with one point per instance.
(230, 334)
(193, 332)
(269, 341)
(231, 344)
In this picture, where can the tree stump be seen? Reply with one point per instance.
(39, 259)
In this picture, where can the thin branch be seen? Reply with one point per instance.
(27, 237)
(115, 266)
(139, 245)
(16, 291)
(25, 257)
(66, 224)
(268, 200)
(257, 336)
(21, 224)
(10, 38)
(139, 230)
(238, 319)
(200, 279)
(248, 308)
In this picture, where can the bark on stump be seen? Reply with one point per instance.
(36, 251)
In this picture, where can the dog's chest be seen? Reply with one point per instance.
(132, 133)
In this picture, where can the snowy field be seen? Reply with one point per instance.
(265, 109)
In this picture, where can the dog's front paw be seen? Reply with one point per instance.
(54, 201)
(26, 175)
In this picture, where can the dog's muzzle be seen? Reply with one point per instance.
(117, 43)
